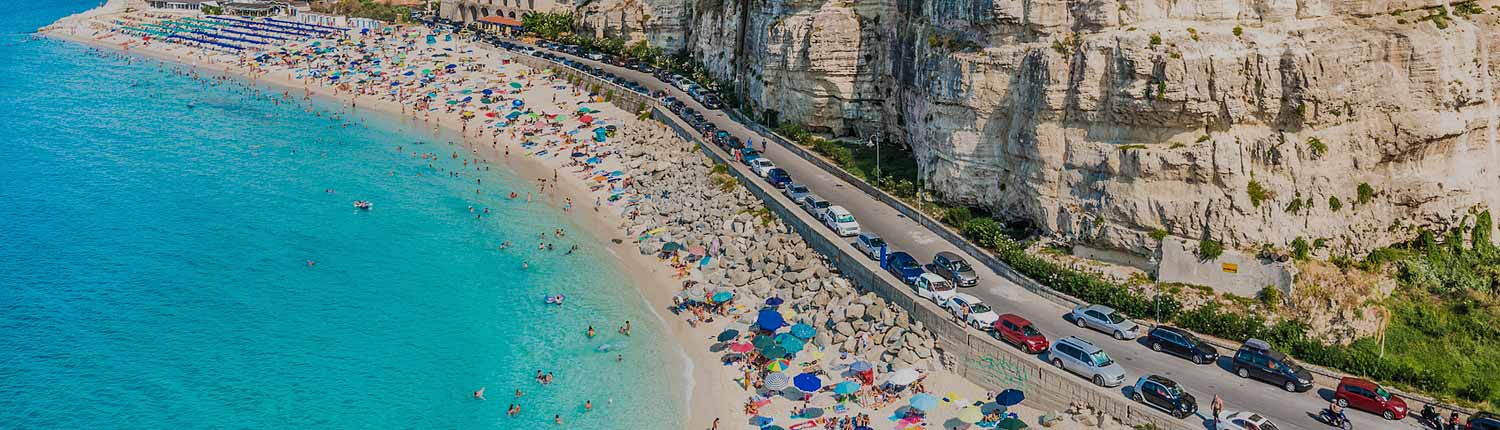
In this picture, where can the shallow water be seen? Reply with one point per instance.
(154, 240)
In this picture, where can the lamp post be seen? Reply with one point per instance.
(874, 140)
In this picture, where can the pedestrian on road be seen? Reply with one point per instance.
(1218, 407)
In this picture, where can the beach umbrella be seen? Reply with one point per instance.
(516, 85)
(451, 66)
(775, 351)
(807, 382)
(741, 347)
(904, 376)
(586, 119)
(762, 342)
(861, 366)
(726, 335)
(487, 91)
(769, 320)
(924, 402)
(697, 250)
(778, 381)
(846, 387)
(774, 301)
(1010, 397)
(778, 365)
(723, 296)
(803, 331)
(670, 246)
(794, 345)
(517, 103)
(696, 294)
(970, 414)
(596, 160)
(1010, 424)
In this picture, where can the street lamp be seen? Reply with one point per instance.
(875, 141)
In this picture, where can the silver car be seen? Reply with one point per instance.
(796, 192)
(1105, 319)
(1084, 359)
(814, 205)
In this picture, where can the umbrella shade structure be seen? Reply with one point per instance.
(905, 377)
(517, 103)
(861, 366)
(1010, 397)
(726, 335)
(846, 387)
(669, 246)
(762, 342)
(1010, 424)
(783, 338)
(778, 381)
(723, 296)
(970, 414)
(807, 382)
(697, 250)
(775, 351)
(793, 345)
(741, 347)
(516, 85)
(769, 320)
(778, 365)
(586, 119)
(774, 301)
(803, 331)
(924, 402)
(488, 91)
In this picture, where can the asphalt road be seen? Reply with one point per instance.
(1288, 410)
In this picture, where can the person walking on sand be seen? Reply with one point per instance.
(716, 424)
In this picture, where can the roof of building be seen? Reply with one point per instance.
(496, 19)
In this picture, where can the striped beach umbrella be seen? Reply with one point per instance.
(778, 381)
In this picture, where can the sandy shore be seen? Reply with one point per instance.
(706, 391)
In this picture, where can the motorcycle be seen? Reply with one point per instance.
(1336, 420)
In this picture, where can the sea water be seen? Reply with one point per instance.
(176, 255)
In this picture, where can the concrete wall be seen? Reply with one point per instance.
(1234, 272)
(979, 357)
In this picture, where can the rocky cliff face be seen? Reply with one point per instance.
(1101, 121)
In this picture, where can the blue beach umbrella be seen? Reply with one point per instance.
(769, 320)
(488, 91)
(846, 387)
(517, 103)
(793, 345)
(593, 160)
(1010, 397)
(807, 382)
(803, 331)
(774, 301)
(861, 366)
(924, 402)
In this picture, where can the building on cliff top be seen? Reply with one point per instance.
(471, 11)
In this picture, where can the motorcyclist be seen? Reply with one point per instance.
(1336, 412)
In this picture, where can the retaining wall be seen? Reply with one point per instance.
(978, 356)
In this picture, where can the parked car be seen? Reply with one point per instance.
(1369, 397)
(869, 244)
(1243, 420)
(815, 205)
(1164, 394)
(711, 102)
(1086, 360)
(1484, 421)
(953, 267)
(840, 221)
(903, 266)
(1105, 319)
(645, 68)
(1014, 330)
(973, 312)
(796, 192)
(935, 288)
(749, 155)
(778, 177)
(721, 137)
(1255, 359)
(761, 166)
(1181, 343)
(734, 143)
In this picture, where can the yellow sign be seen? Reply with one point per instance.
(1230, 268)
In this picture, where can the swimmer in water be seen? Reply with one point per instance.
(479, 394)
(591, 332)
(588, 405)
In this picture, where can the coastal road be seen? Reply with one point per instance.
(1287, 410)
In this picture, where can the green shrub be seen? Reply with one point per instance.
(1132, 146)
(1158, 234)
(1155, 39)
(957, 216)
(1238, 31)
(986, 232)
(1295, 206)
(1334, 204)
(1300, 248)
(1257, 192)
(1269, 296)
(1316, 147)
(1365, 193)
(1203, 138)
(1209, 249)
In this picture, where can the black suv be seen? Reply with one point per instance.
(1255, 359)
(1181, 343)
(953, 268)
(1484, 421)
(1164, 394)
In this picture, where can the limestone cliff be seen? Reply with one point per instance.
(1100, 121)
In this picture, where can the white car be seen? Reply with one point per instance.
(977, 315)
(840, 221)
(933, 287)
(761, 166)
(1243, 420)
(869, 244)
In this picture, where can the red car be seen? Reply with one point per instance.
(1014, 330)
(1369, 397)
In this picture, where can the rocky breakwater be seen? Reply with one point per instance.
(758, 257)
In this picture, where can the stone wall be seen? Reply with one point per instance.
(1234, 272)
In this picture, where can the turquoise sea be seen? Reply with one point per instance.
(155, 234)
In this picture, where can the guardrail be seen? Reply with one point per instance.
(978, 356)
